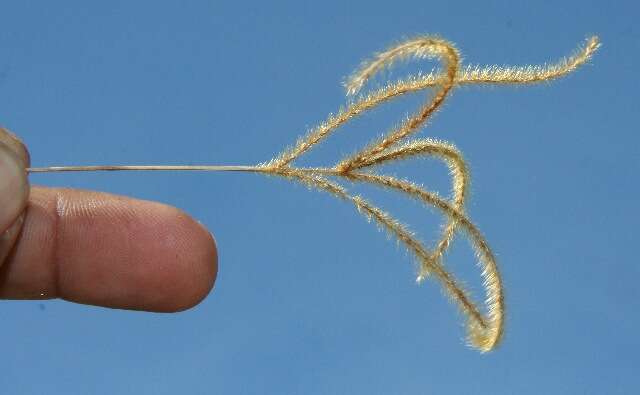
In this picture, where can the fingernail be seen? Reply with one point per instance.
(14, 189)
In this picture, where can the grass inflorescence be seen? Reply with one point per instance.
(485, 330)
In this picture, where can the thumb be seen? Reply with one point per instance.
(14, 188)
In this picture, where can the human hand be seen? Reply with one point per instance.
(96, 248)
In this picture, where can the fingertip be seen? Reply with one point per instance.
(191, 274)
(112, 251)
(176, 261)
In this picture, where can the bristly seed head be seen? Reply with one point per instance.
(484, 330)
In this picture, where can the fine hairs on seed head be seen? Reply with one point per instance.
(484, 330)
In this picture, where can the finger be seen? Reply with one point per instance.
(9, 237)
(14, 158)
(13, 186)
(112, 251)
(15, 145)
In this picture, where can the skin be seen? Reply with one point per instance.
(97, 248)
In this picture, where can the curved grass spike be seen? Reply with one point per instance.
(484, 329)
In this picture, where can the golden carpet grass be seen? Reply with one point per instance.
(485, 330)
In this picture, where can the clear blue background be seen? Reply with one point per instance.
(311, 298)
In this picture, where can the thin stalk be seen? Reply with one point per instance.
(55, 169)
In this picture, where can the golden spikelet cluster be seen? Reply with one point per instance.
(484, 329)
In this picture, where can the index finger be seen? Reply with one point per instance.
(108, 250)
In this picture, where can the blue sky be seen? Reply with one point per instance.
(311, 298)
